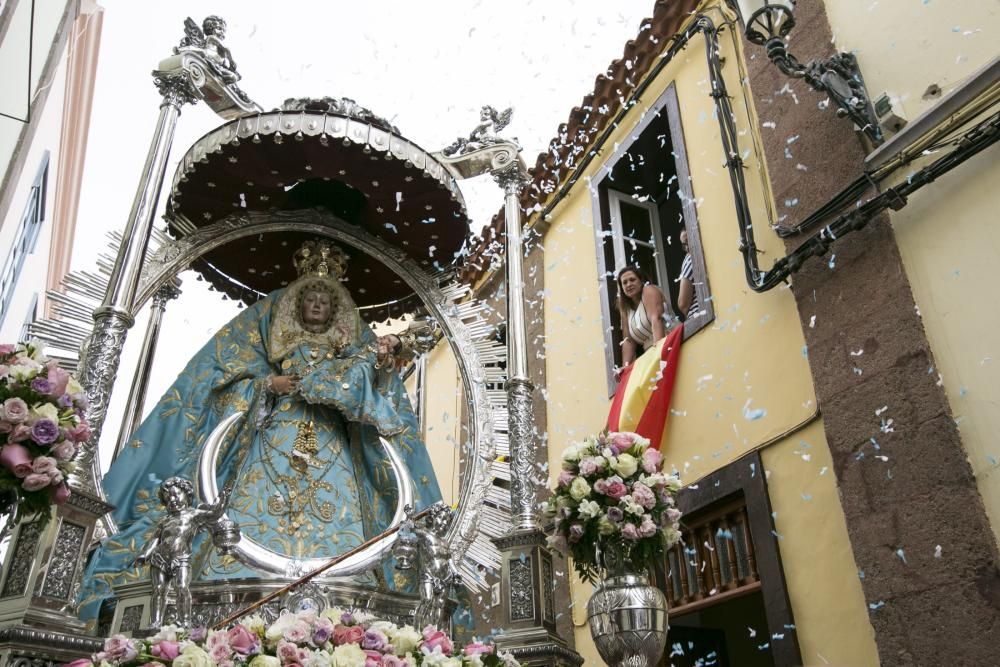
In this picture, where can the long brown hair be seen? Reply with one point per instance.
(623, 301)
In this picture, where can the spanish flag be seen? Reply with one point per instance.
(642, 401)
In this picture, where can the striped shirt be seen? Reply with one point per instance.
(687, 271)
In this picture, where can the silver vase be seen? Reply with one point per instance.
(628, 621)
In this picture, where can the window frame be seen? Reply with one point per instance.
(746, 478)
(667, 103)
(25, 236)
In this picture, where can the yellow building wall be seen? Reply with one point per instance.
(947, 235)
(751, 358)
(905, 47)
(443, 419)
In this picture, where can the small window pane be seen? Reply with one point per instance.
(722, 551)
(635, 222)
(642, 256)
(739, 541)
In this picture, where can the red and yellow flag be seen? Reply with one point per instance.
(642, 401)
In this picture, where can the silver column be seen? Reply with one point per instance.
(529, 632)
(113, 318)
(521, 417)
(140, 383)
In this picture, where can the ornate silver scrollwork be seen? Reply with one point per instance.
(98, 371)
(521, 426)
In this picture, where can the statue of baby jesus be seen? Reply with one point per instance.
(168, 553)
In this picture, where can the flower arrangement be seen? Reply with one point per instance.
(331, 638)
(613, 496)
(41, 427)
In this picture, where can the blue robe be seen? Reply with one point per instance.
(311, 478)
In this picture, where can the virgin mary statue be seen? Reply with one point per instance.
(310, 478)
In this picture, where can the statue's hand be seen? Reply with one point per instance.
(283, 384)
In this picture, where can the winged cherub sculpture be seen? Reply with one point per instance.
(207, 40)
(484, 134)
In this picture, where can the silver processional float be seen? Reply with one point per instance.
(323, 168)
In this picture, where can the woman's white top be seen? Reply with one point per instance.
(640, 328)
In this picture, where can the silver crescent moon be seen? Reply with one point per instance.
(259, 557)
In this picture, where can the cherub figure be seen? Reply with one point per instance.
(425, 543)
(168, 553)
(484, 134)
(208, 40)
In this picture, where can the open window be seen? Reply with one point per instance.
(642, 201)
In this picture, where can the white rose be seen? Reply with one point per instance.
(255, 624)
(405, 640)
(318, 659)
(386, 628)
(349, 655)
(626, 465)
(605, 526)
(263, 661)
(195, 656)
(277, 629)
(579, 489)
(332, 613)
(73, 387)
(168, 632)
(571, 454)
(589, 509)
(46, 411)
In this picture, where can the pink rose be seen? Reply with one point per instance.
(476, 648)
(118, 648)
(565, 478)
(389, 660)
(220, 653)
(622, 441)
(15, 410)
(58, 378)
(652, 459)
(79, 662)
(35, 482)
(79, 433)
(616, 488)
(373, 658)
(16, 458)
(297, 632)
(588, 467)
(436, 639)
(166, 649)
(647, 528)
(287, 652)
(60, 493)
(630, 532)
(44, 465)
(63, 450)
(242, 640)
(643, 495)
(20, 433)
(5, 349)
(601, 486)
(344, 634)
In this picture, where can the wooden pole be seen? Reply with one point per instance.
(309, 575)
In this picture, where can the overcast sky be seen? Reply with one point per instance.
(426, 66)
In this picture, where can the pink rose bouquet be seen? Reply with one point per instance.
(330, 637)
(41, 427)
(613, 494)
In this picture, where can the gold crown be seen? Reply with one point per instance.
(319, 258)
